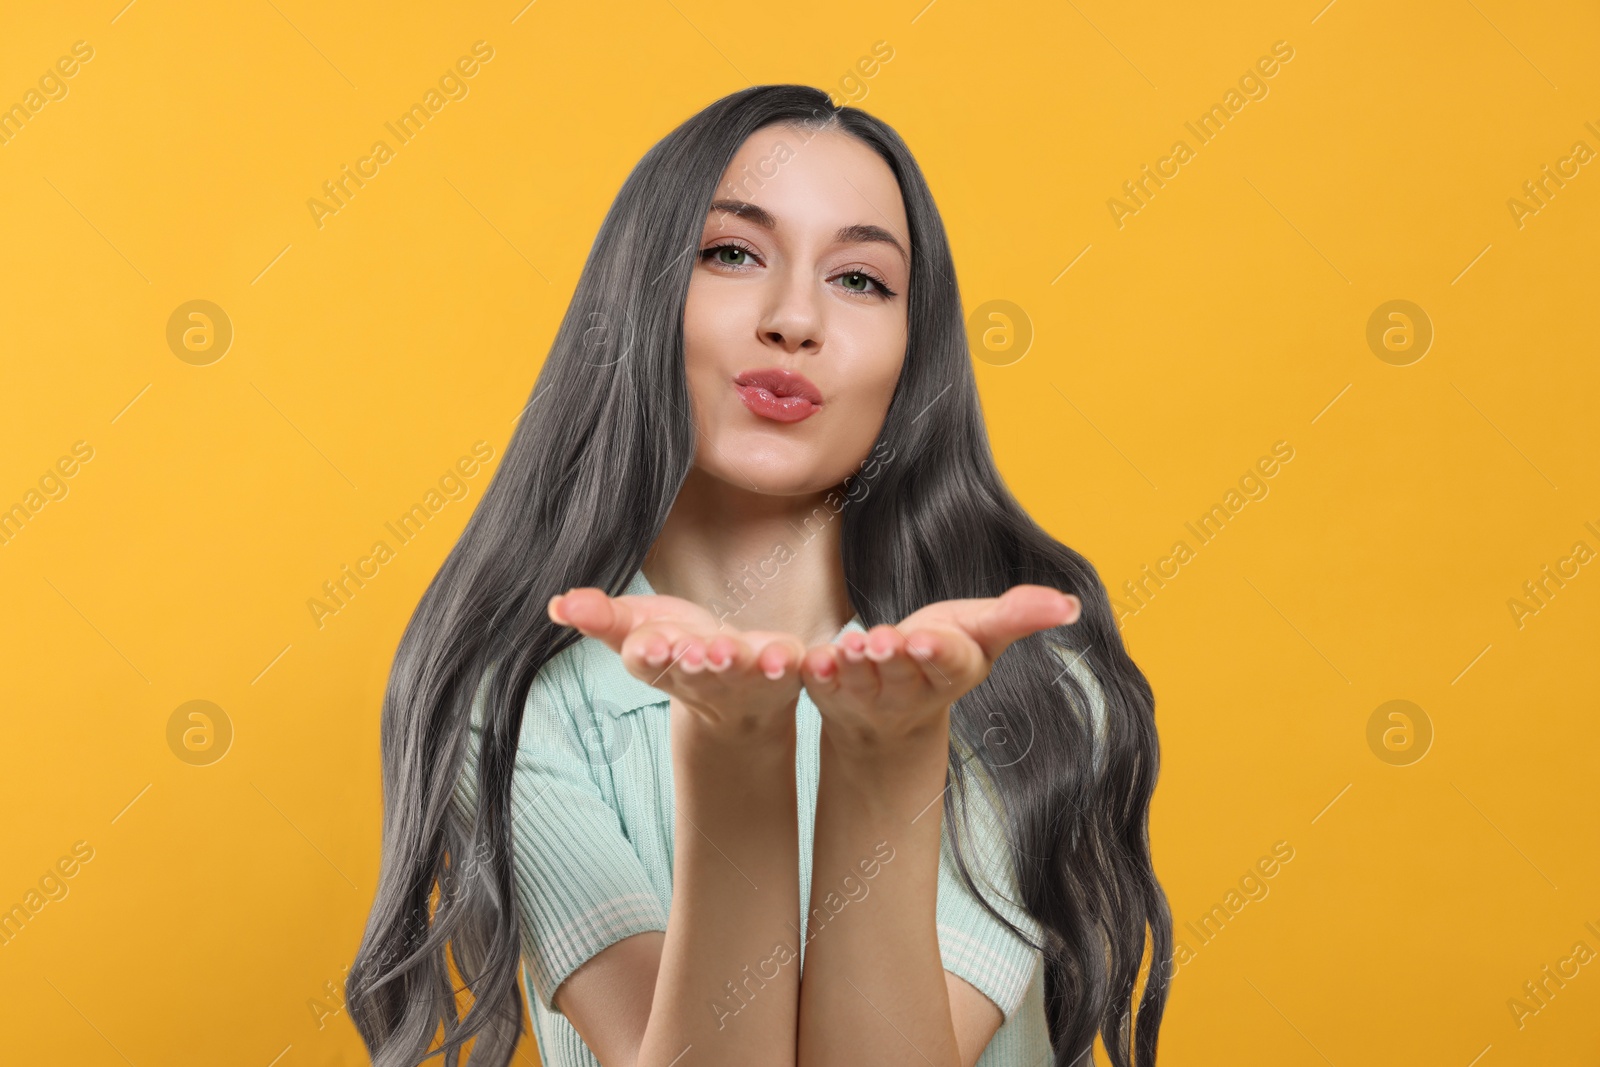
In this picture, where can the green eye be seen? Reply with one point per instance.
(869, 286)
(856, 282)
(717, 252)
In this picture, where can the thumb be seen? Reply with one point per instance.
(591, 612)
(1018, 612)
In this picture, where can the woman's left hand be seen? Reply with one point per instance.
(893, 683)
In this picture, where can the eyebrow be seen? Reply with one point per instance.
(855, 234)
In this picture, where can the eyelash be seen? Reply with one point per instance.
(883, 291)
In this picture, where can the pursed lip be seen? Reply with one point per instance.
(781, 383)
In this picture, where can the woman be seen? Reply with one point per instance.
(673, 717)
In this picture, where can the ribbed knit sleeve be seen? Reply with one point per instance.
(579, 881)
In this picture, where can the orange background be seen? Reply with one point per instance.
(1169, 351)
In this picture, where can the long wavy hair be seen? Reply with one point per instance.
(591, 472)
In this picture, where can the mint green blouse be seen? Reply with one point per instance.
(593, 835)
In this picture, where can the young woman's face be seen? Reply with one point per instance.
(804, 243)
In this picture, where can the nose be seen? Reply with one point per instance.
(792, 319)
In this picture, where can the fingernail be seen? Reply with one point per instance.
(552, 611)
(877, 656)
(769, 673)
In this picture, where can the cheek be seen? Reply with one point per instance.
(718, 320)
(878, 371)
(699, 328)
(872, 376)
(709, 326)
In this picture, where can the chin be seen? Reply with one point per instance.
(796, 475)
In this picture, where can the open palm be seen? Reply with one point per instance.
(872, 688)
(894, 681)
(740, 684)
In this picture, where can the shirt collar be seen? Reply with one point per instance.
(624, 692)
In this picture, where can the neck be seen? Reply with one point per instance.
(756, 561)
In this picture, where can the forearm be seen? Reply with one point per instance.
(729, 980)
(874, 988)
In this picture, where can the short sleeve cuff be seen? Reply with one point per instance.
(1001, 974)
(567, 948)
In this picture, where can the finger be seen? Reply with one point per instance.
(886, 646)
(857, 673)
(819, 670)
(689, 654)
(776, 655)
(590, 611)
(648, 651)
(1018, 612)
(687, 664)
(943, 654)
(725, 652)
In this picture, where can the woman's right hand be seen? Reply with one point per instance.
(739, 686)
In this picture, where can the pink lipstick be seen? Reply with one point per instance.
(778, 394)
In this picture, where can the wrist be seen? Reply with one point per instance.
(899, 775)
(737, 749)
(733, 789)
(928, 740)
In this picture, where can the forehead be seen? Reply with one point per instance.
(814, 181)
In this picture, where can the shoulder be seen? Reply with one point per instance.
(553, 730)
(578, 677)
